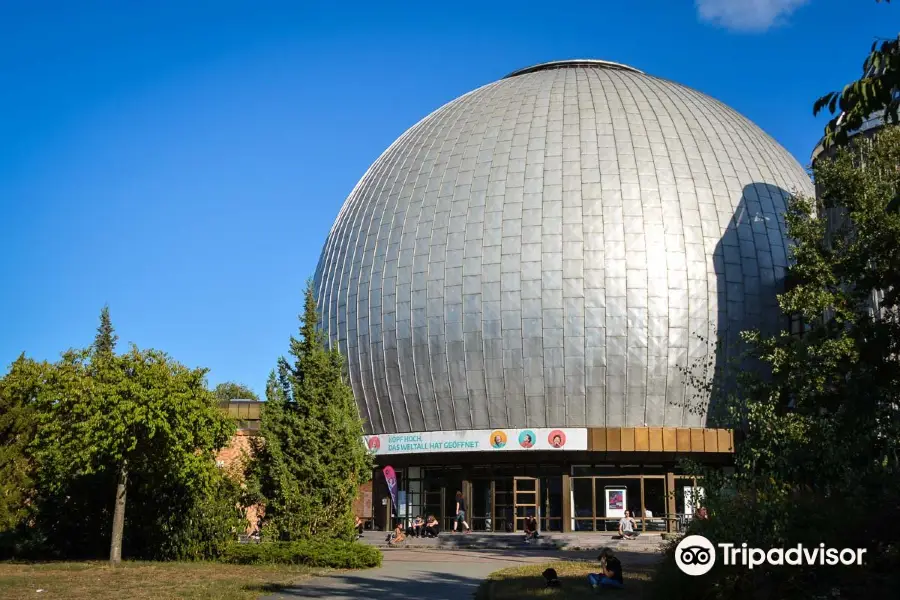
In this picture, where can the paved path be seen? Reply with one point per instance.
(429, 574)
(423, 574)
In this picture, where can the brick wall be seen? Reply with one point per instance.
(231, 456)
(362, 506)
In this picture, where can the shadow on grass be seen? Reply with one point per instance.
(524, 582)
(266, 588)
(423, 575)
(347, 586)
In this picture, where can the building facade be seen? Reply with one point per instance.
(523, 282)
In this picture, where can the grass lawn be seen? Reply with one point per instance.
(145, 580)
(521, 583)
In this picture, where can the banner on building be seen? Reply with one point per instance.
(391, 478)
(478, 440)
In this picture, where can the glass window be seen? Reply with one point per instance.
(606, 491)
(481, 505)
(582, 503)
(654, 504)
(551, 504)
(503, 504)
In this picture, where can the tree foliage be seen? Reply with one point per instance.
(94, 413)
(18, 424)
(229, 390)
(818, 460)
(876, 91)
(309, 460)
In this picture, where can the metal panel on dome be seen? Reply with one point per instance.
(545, 250)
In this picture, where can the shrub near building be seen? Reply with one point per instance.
(330, 553)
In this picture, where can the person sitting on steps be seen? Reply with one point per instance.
(531, 528)
(432, 528)
(610, 575)
(461, 513)
(626, 527)
(397, 535)
(418, 526)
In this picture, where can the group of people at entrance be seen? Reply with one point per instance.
(429, 527)
(420, 528)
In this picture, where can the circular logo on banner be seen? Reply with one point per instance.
(498, 439)
(557, 438)
(527, 439)
(374, 444)
(695, 555)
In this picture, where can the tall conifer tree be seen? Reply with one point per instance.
(310, 459)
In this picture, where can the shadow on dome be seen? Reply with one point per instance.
(750, 266)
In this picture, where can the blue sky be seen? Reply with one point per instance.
(184, 163)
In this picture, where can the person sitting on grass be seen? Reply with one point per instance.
(626, 527)
(610, 575)
(432, 528)
(397, 535)
(531, 528)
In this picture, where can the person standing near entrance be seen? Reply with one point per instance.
(461, 513)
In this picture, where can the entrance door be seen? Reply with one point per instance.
(526, 498)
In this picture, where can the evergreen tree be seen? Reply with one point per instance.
(310, 459)
(105, 341)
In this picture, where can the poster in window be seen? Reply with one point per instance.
(616, 501)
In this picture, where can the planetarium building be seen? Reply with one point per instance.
(523, 281)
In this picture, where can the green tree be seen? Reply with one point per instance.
(230, 390)
(310, 460)
(139, 415)
(18, 423)
(106, 338)
(876, 91)
(819, 455)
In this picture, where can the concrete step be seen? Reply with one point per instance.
(516, 541)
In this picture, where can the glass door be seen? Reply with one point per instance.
(551, 504)
(481, 505)
(504, 506)
(453, 484)
(526, 497)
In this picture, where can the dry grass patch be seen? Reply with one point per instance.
(520, 583)
(146, 580)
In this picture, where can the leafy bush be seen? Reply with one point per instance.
(336, 554)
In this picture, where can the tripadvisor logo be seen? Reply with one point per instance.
(696, 555)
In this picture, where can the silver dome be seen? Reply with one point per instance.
(542, 252)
